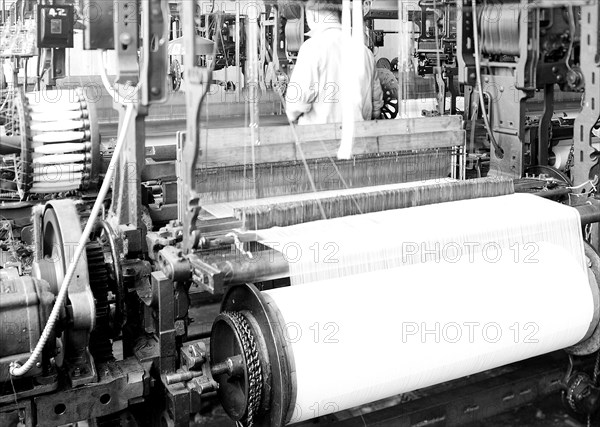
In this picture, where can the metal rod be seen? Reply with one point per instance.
(197, 336)
(252, 75)
(238, 41)
(181, 377)
(590, 213)
(10, 144)
(232, 366)
(553, 193)
(266, 265)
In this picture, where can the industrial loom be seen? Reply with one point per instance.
(343, 283)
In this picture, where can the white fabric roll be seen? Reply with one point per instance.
(446, 231)
(366, 337)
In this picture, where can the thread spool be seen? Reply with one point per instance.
(58, 169)
(53, 159)
(58, 126)
(61, 148)
(561, 155)
(52, 137)
(294, 34)
(66, 179)
(56, 116)
(35, 188)
(63, 139)
(499, 30)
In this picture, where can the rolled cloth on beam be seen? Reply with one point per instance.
(361, 338)
(451, 231)
(405, 299)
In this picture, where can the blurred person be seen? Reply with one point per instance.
(313, 92)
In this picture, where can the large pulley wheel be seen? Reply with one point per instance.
(592, 344)
(60, 235)
(251, 359)
(58, 239)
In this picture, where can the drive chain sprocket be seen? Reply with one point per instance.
(253, 367)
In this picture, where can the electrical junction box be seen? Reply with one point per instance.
(55, 26)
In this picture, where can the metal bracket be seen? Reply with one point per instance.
(206, 277)
(126, 197)
(154, 66)
(56, 69)
(173, 264)
(126, 41)
(197, 84)
(166, 321)
(586, 158)
(196, 371)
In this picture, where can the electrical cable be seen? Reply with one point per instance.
(110, 88)
(437, 41)
(37, 70)
(497, 149)
(103, 75)
(26, 62)
(438, 71)
(572, 29)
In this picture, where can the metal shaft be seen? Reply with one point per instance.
(183, 376)
(252, 73)
(267, 265)
(590, 213)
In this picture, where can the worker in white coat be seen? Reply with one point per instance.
(313, 93)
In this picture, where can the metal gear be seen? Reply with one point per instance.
(253, 367)
(100, 343)
(175, 72)
(389, 85)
